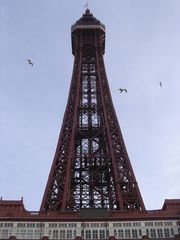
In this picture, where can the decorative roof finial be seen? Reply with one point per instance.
(87, 9)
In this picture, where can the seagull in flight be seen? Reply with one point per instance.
(122, 90)
(160, 84)
(29, 62)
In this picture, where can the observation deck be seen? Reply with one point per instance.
(87, 23)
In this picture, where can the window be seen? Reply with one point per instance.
(160, 233)
(167, 223)
(29, 234)
(136, 224)
(104, 224)
(82, 233)
(95, 225)
(120, 233)
(23, 233)
(5, 233)
(127, 224)
(18, 234)
(37, 234)
(107, 233)
(147, 232)
(172, 231)
(72, 225)
(53, 225)
(102, 234)
(40, 225)
(166, 233)
(30, 225)
(75, 233)
(8, 225)
(140, 232)
(158, 223)
(62, 234)
(148, 224)
(134, 233)
(127, 233)
(21, 225)
(69, 234)
(153, 233)
(85, 225)
(88, 234)
(62, 225)
(10, 232)
(55, 234)
(42, 232)
(50, 232)
(117, 224)
(95, 234)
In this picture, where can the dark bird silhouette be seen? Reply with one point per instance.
(29, 62)
(160, 84)
(122, 90)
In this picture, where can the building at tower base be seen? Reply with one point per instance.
(18, 223)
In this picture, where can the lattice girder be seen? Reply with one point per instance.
(91, 168)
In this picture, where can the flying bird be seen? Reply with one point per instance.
(29, 62)
(160, 84)
(122, 90)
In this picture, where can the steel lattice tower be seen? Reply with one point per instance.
(91, 167)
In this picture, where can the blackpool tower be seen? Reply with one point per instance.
(91, 167)
(91, 192)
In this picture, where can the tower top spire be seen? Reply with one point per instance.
(87, 11)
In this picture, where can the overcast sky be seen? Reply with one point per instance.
(142, 48)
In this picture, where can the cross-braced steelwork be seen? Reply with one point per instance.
(91, 168)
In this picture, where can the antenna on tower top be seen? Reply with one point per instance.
(86, 6)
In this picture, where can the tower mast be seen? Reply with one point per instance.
(91, 167)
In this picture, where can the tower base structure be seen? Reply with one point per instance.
(18, 223)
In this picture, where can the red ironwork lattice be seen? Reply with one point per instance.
(91, 167)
